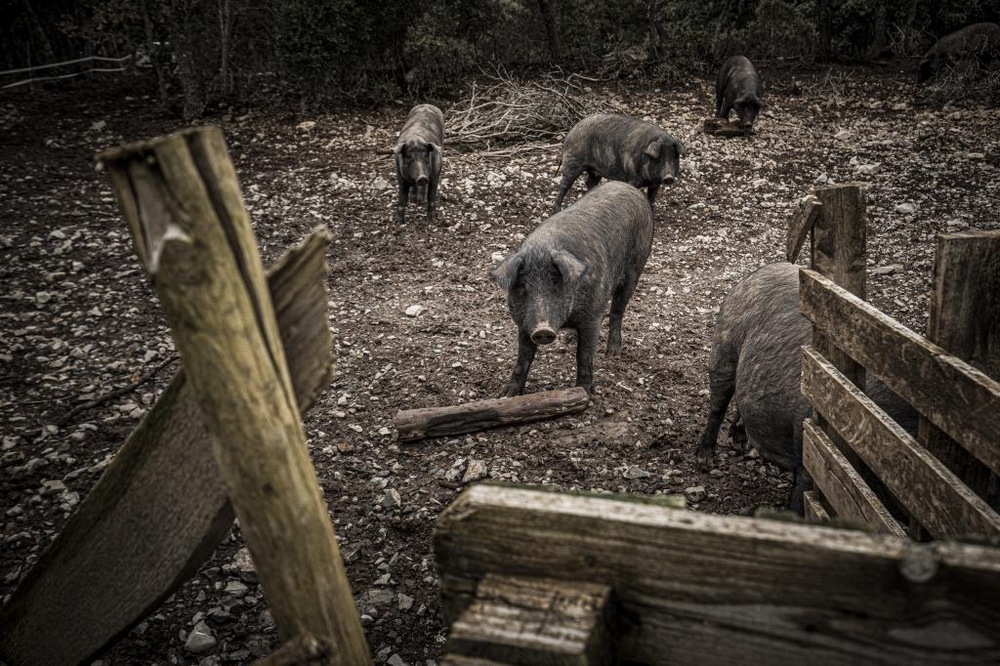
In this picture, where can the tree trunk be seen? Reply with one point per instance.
(547, 8)
(879, 39)
(824, 20)
(154, 52)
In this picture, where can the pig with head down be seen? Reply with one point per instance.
(418, 158)
(756, 362)
(738, 88)
(566, 271)
(616, 147)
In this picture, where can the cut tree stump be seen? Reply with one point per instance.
(414, 424)
(721, 127)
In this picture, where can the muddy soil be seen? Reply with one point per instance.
(78, 318)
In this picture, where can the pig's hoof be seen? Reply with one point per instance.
(614, 350)
(511, 391)
(706, 457)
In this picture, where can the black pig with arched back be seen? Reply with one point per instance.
(756, 361)
(566, 271)
(418, 158)
(738, 88)
(616, 147)
(979, 40)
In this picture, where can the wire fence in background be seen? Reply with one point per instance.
(66, 63)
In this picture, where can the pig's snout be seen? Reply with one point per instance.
(668, 179)
(543, 335)
(422, 179)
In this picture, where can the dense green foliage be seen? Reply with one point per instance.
(220, 51)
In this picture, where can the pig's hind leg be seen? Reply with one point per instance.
(619, 301)
(432, 191)
(586, 344)
(721, 387)
(525, 355)
(404, 191)
(569, 177)
(593, 179)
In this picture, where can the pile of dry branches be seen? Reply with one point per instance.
(508, 111)
(968, 81)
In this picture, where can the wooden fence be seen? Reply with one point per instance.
(938, 478)
(534, 577)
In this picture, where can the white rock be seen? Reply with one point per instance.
(414, 310)
(380, 184)
(695, 493)
(869, 169)
(98, 125)
(200, 639)
(886, 270)
(396, 660)
(405, 602)
(306, 125)
(497, 257)
(391, 499)
(906, 208)
(636, 472)
(475, 471)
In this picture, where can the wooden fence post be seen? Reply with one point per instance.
(839, 252)
(181, 198)
(96, 579)
(965, 321)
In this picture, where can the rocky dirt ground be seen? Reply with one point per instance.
(78, 319)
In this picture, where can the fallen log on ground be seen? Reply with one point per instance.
(723, 127)
(414, 424)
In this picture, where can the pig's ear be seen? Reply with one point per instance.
(653, 149)
(433, 146)
(505, 274)
(569, 266)
(400, 148)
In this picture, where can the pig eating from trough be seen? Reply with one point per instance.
(979, 40)
(418, 158)
(567, 270)
(756, 361)
(616, 147)
(738, 87)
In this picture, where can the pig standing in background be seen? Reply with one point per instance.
(756, 359)
(616, 147)
(418, 158)
(979, 40)
(738, 87)
(567, 270)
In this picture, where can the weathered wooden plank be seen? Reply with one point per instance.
(842, 485)
(928, 489)
(461, 660)
(202, 254)
(840, 253)
(414, 424)
(956, 397)
(965, 322)
(814, 510)
(806, 213)
(704, 589)
(97, 579)
(535, 621)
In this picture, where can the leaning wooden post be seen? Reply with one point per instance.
(182, 200)
(965, 322)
